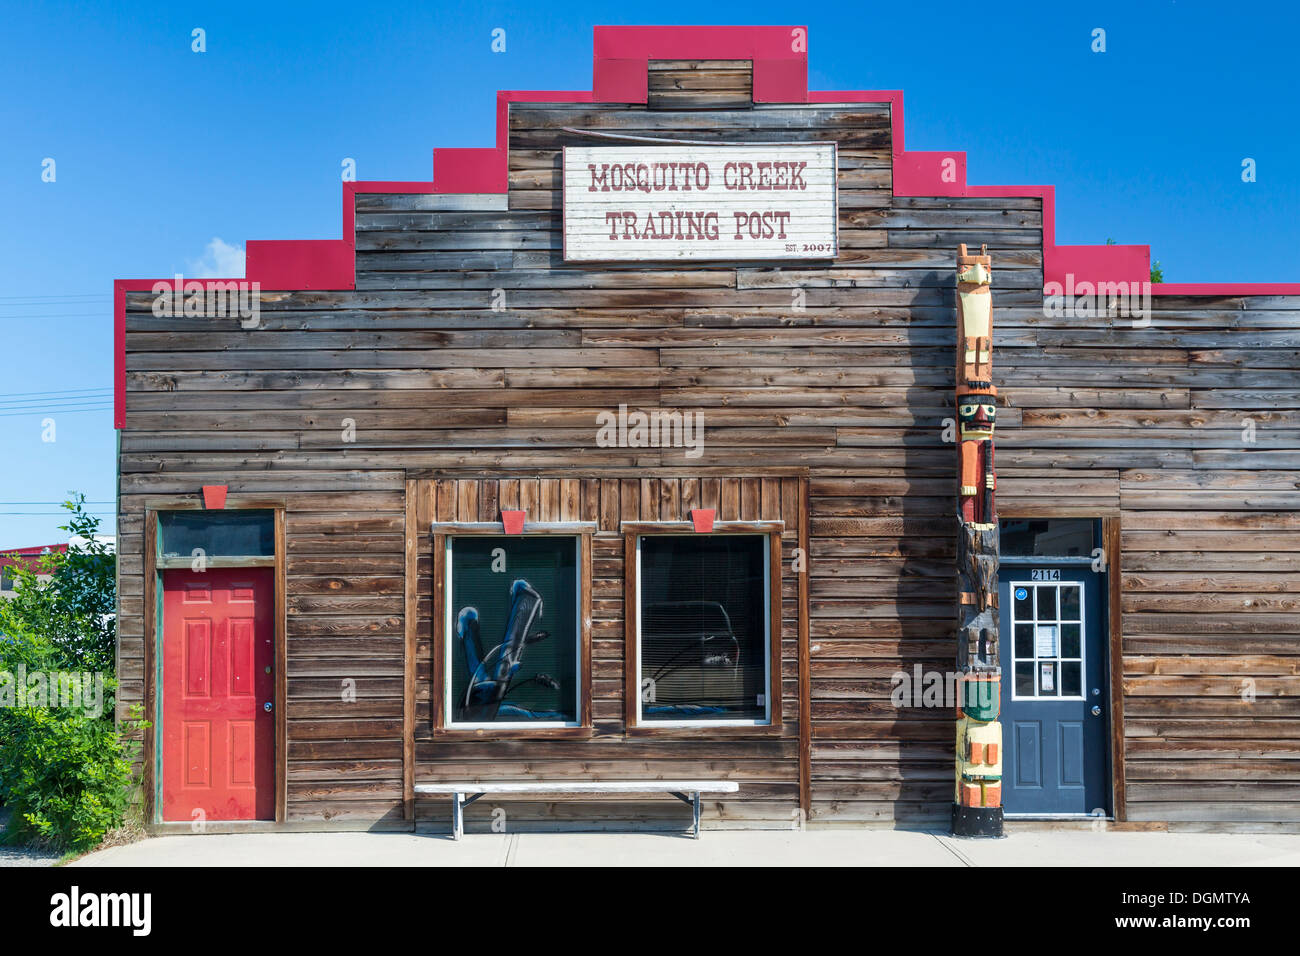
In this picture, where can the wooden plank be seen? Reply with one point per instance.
(152, 629)
(630, 500)
(804, 573)
(281, 669)
(488, 505)
(411, 633)
(584, 645)
(1111, 533)
(610, 504)
(570, 495)
(607, 786)
(438, 690)
(530, 498)
(466, 500)
(550, 499)
(631, 681)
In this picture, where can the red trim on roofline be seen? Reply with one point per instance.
(620, 56)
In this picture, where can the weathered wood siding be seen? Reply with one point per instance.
(470, 351)
(700, 84)
(1210, 502)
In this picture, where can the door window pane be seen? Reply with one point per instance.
(1046, 604)
(1023, 608)
(1024, 678)
(1071, 679)
(1024, 640)
(512, 631)
(1070, 596)
(703, 627)
(1070, 634)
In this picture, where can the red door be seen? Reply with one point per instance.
(218, 737)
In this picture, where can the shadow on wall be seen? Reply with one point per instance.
(925, 589)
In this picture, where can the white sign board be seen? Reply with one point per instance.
(762, 201)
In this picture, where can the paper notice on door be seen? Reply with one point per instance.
(1045, 639)
(1047, 677)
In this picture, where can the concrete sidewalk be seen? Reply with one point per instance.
(714, 848)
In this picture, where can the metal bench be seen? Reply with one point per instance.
(687, 791)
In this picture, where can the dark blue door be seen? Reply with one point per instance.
(1055, 701)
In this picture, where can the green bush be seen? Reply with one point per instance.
(66, 777)
(65, 765)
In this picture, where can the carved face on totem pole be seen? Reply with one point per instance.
(976, 415)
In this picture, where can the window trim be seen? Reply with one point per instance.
(633, 531)
(1058, 659)
(443, 728)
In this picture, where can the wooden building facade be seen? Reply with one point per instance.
(399, 390)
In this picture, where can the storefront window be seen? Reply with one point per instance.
(512, 630)
(703, 628)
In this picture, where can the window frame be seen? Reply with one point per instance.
(185, 561)
(440, 703)
(1058, 660)
(634, 724)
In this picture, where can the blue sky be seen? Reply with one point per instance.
(159, 150)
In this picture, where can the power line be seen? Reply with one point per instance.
(57, 411)
(56, 315)
(61, 295)
(72, 401)
(55, 394)
(58, 391)
(53, 403)
(37, 402)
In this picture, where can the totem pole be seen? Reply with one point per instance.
(977, 807)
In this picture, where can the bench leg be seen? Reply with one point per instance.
(692, 800)
(457, 816)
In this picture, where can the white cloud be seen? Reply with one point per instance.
(220, 260)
